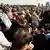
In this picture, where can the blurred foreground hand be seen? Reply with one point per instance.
(28, 47)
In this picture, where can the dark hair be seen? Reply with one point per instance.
(1, 8)
(39, 27)
(21, 38)
(14, 10)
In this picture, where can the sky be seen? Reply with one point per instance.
(23, 2)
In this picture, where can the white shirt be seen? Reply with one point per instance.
(3, 40)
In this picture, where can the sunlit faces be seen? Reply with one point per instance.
(23, 12)
(23, 15)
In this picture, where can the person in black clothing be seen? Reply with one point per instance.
(39, 40)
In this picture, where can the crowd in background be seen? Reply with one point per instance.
(24, 16)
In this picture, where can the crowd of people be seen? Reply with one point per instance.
(21, 28)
